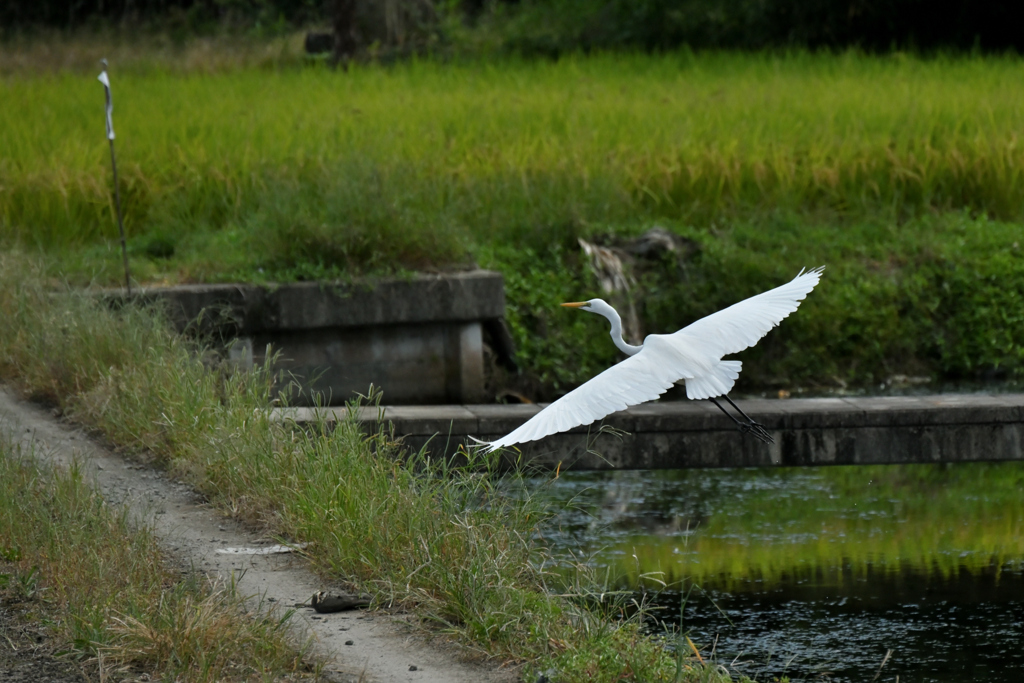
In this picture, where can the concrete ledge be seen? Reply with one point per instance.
(671, 435)
(457, 297)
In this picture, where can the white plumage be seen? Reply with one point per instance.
(693, 354)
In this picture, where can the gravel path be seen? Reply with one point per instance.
(357, 645)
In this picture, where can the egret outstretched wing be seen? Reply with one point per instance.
(639, 378)
(743, 324)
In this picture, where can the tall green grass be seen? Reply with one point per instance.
(441, 540)
(117, 605)
(399, 166)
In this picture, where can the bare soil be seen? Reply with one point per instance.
(27, 651)
(356, 645)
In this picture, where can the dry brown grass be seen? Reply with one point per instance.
(133, 50)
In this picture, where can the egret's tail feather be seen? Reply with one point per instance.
(487, 446)
(715, 383)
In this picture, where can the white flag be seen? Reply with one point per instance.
(110, 105)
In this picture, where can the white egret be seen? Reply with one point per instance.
(693, 354)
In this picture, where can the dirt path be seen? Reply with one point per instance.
(357, 645)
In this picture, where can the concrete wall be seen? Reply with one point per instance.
(671, 435)
(419, 339)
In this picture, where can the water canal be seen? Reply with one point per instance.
(816, 573)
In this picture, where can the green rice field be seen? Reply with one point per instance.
(394, 164)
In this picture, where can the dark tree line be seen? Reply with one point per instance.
(197, 15)
(876, 25)
(555, 26)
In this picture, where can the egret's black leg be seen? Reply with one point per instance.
(756, 425)
(752, 428)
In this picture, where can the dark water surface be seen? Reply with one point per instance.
(816, 572)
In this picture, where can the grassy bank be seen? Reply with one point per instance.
(111, 602)
(415, 533)
(902, 175)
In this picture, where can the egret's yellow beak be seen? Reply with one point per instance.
(576, 304)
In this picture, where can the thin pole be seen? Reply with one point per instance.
(120, 221)
(105, 80)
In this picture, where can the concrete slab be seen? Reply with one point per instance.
(451, 297)
(428, 420)
(420, 339)
(674, 416)
(817, 413)
(814, 431)
(498, 420)
(331, 414)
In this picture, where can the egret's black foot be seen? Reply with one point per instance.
(758, 427)
(757, 431)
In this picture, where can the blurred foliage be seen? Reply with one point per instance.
(176, 16)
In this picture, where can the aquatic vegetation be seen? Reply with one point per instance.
(731, 529)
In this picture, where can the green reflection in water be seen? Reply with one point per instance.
(730, 529)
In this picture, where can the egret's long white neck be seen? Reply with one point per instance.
(616, 332)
